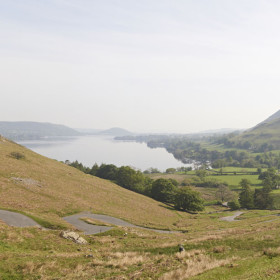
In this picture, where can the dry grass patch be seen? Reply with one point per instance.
(188, 254)
(96, 222)
(272, 252)
(220, 249)
(195, 265)
(123, 260)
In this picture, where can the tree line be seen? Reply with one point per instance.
(163, 190)
(258, 198)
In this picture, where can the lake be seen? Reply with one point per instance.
(103, 149)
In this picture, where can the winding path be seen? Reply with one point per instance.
(20, 220)
(76, 221)
(232, 218)
(16, 219)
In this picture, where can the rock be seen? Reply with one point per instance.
(181, 248)
(75, 237)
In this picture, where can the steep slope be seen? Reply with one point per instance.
(267, 133)
(49, 190)
(263, 137)
(272, 117)
(34, 130)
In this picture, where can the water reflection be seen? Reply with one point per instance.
(103, 149)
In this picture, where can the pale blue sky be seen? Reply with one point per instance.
(157, 65)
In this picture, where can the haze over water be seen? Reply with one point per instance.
(103, 149)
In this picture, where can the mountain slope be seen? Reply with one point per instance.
(273, 117)
(264, 136)
(34, 130)
(49, 190)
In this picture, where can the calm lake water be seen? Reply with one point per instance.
(103, 149)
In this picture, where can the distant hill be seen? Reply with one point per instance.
(264, 136)
(272, 117)
(116, 131)
(34, 130)
(218, 131)
(88, 131)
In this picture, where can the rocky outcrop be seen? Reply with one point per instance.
(75, 237)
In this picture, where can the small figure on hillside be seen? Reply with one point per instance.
(181, 248)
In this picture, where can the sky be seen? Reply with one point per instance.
(143, 65)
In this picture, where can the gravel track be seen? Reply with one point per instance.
(16, 219)
(20, 220)
(232, 218)
(76, 221)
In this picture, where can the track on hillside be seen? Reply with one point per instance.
(232, 218)
(16, 219)
(20, 220)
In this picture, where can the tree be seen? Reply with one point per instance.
(246, 197)
(188, 199)
(163, 190)
(132, 179)
(94, 169)
(245, 183)
(234, 205)
(224, 193)
(269, 178)
(170, 170)
(107, 171)
(201, 173)
(263, 199)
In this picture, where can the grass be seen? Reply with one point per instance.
(52, 189)
(234, 180)
(214, 249)
(96, 222)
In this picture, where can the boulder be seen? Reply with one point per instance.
(75, 237)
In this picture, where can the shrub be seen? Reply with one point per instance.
(234, 205)
(17, 155)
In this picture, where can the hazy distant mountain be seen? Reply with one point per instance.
(219, 131)
(89, 131)
(116, 131)
(34, 130)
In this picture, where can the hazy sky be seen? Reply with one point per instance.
(144, 65)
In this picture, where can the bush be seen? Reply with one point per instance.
(188, 199)
(17, 155)
(234, 205)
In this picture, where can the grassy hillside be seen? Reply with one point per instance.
(267, 133)
(49, 189)
(267, 130)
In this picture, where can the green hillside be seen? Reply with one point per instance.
(49, 189)
(267, 133)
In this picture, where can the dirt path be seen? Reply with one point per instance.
(76, 221)
(20, 220)
(232, 218)
(16, 220)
